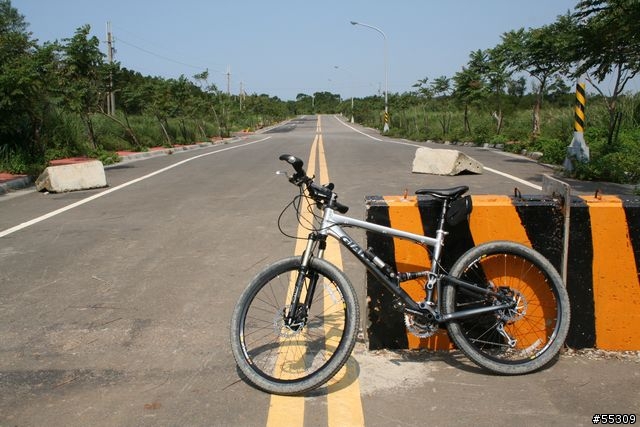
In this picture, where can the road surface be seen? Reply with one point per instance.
(115, 303)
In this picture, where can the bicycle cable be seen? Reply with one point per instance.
(297, 205)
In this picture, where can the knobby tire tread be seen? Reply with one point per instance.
(556, 286)
(344, 348)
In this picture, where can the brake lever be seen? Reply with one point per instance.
(294, 179)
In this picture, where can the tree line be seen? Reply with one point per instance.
(54, 96)
(488, 100)
(54, 102)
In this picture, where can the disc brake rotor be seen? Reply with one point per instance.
(517, 312)
(282, 329)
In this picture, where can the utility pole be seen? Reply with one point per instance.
(111, 97)
(386, 73)
(228, 79)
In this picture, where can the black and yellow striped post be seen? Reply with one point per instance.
(578, 149)
(581, 100)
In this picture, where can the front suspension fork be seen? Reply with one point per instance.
(296, 307)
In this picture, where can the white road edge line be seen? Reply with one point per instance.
(515, 178)
(497, 172)
(111, 190)
(360, 132)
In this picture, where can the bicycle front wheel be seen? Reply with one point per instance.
(287, 358)
(520, 339)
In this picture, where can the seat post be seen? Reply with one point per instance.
(440, 233)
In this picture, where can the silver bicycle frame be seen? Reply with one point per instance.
(332, 222)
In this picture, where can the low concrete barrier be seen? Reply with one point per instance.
(603, 258)
(444, 162)
(70, 177)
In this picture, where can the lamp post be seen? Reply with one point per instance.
(338, 68)
(386, 73)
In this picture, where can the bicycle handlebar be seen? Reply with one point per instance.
(322, 194)
(295, 162)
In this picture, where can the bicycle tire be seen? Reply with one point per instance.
(279, 360)
(539, 324)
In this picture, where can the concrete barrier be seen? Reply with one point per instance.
(70, 177)
(444, 162)
(603, 258)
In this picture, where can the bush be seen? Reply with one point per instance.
(622, 167)
(554, 150)
(106, 157)
(482, 133)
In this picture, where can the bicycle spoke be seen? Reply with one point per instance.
(287, 348)
(524, 336)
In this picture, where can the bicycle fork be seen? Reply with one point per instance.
(297, 315)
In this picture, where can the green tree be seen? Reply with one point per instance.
(84, 78)
(540, 52)
(128, 100)
(326, 102)
(424, 88)
(424, 93)
(498, 75)
(25, 81)
(608, 45)
(441, 88)
(470, 84)
(159, 104)
(212, 101)
(304, 104)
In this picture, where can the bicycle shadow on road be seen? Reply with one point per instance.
(453, 358)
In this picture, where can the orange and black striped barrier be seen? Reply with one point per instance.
(603, 278)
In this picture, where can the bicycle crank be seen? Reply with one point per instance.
(420, 326)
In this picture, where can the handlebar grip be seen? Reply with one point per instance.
(295, 162)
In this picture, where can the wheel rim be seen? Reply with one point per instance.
(283, 353)
(519, 334)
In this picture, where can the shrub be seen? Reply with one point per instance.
(554, 150)
(619, 167)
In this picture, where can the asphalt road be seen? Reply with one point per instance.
(115, 303)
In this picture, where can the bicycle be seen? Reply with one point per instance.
(295, 325)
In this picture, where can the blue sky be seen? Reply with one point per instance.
(283, 48)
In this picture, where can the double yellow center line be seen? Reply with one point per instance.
(344, 405)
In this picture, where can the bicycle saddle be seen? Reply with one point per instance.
(445, 193)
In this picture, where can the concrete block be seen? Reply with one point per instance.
(444, 162)
(72, 177)
(603, 277)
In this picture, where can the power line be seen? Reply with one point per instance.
(157, 55)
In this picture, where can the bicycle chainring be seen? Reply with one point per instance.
(420, 327)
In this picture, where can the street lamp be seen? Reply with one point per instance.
(386, 73)
(338, 68)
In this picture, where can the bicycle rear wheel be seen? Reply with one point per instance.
(293, 359)
(512, 341)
